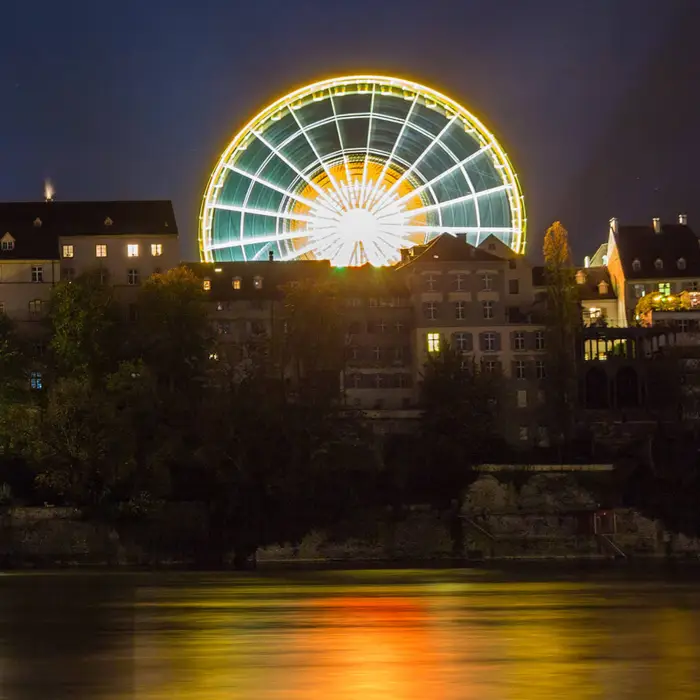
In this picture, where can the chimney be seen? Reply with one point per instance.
(657, 224)
(271, 256)
(613, 224)
(587, 261)
(683, 219)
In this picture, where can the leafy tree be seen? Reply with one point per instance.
(563, 331)
(86, 328)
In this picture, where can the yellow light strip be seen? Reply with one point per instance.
(364, 83)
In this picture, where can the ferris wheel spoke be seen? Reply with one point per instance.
(264, 212)
(369, 141)
(457, 200)
(450, 229)
(389, 160)
(457, 166)
(267, 238)
(340, 140)
(312, 245)
(323, 163)
(271, 185)
(322, 195)
(419, 159)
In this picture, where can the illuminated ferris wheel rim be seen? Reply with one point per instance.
(334, 206)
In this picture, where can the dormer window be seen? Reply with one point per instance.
(236, 283)
(580, 277)
(681, 263)
(37, 222)
(636, 265)
(603, 287)
(108, 221)
(257, 282)
(659, 264)
(206, 284)
(7, 242)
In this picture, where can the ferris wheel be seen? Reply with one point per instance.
(353, 169)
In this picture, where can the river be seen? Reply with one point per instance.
(367, 635)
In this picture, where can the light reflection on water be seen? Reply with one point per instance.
(371, 635)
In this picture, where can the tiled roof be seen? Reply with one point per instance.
(37, 226)
(590, 289)
(675, 242)
(449, 248)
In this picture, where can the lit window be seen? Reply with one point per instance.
(35, 380)
(603, 287)
(665, 288)
(156, 249)
(101, 251)
(659, 264)
(523, 433)
(595, 313)
(206, 285)
(460, 308)
(132, 250)
(486, 281)
(580, 277)
(540, 369)
(37, 273)
(681, 263)
(488, 309)
(639, 290)
(539, 340)
(431, 310)
(236, 283)
(257, 282)
(462, 341)
(519, 341)
(67, 251)
(520, 369)
(522, 398)
(35, 307)
(132, 276)
(489, 342)
(460, 282)
(433, 342)
(431, 282)
(636, 265)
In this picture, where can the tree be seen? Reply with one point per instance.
(86, 328)
(563, 331)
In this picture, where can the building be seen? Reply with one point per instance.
(42, 243)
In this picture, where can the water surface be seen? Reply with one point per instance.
(373, 635)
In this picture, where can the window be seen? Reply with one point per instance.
(491, 246)
(681, 263)
(520, 369)
(354, 301)
(399, 327)
(542, 436)
(68, 273)
(683, 325)
(132, 250)
(236, 283)
(431, 282)
(354, 353)
(636, 265)
(522, 433)
(463, 341)
(433, 342)
(491, 366)
(381, 326)
(460, 282)
(489, 342)
(603, 287)
(378, 381)
(2, 307)
(460, 308)
(257, 282)
(639, 290)
(693, 286)
(522, 398)
(35, 308)
(356, 381)
(101, 251)
(512, 264)
(580, 277)
(223, 327)
(488, 309)
(206, 284)
(665, 288)
(377, 353)
(431, 310)
(398, 354)
(67, 251)
(37, 273)
(519, 341)
(539, 340)
(132, 276)
(156, 249)
(486, 281)
(7, 245)
(35, 381)
(594, 313)
(540, 370)
(659, 264)
(513, 287)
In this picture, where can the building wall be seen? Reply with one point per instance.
(18, 293)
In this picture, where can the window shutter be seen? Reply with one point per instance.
(482, 341)
(469, 342)
(498, 342)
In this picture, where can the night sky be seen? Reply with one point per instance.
(596, 101)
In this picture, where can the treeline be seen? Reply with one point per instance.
(129, 408)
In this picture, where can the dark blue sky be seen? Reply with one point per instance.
(596, 101)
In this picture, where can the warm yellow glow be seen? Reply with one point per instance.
(49, 191)
(206, 285)
(364, 83)
(132, 250)
(236, 282)
(156, 249)
(433, 342)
